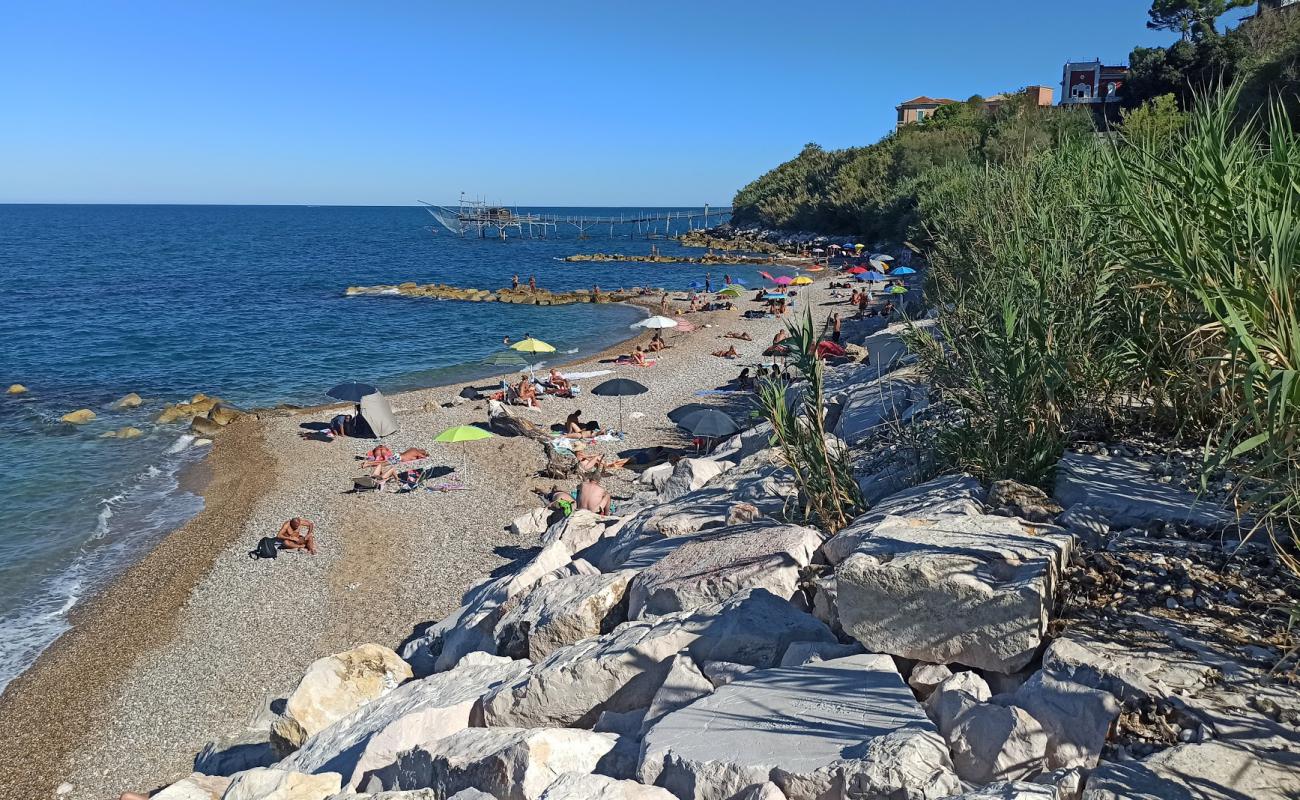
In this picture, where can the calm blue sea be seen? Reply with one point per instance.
(245, 302)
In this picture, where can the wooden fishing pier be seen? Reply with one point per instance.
(482, 219)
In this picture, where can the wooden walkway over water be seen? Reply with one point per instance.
(482, 220)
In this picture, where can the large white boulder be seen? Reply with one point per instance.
(530, 523)
(953, 697)
(1193, 771)
(579, 530)
(867, 407)
(951, 494)
(577, 786)
(419, 712)
(683, 685)
(507, 763)
(622, 670)
(196, 787)
(925, 678)
(744, 444)
(990, 742)
(1125, 490)
(264, 783)
(335, 686)
(1076, 718)
(561, 613)
(713, 565)
(973, 590)
(690, 474)
(842, 728)
(1011, 790)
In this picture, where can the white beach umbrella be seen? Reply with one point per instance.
(656, 323)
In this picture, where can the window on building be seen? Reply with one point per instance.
(920, 115)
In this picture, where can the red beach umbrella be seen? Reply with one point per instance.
(856, 270)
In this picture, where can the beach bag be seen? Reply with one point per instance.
(266, 548)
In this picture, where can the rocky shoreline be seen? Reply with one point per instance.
(519, 296)
(712, 259)
(1111, 639)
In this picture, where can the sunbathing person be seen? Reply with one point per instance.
(593, 497)
(573, 424)
(728, 353)
(594, 462)
(527, 392)
(379, 454)
(413, 454)
(743, 380)
(637, 357)
(741, 335)
(298, 534)
(559, 383)
(561, 504)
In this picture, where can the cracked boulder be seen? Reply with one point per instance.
(972, 590)
(335, 686)
(561, 613)
(951, 494)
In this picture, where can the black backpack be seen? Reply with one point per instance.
(268, 547)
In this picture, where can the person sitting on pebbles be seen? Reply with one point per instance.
(728, 353)
(593, 497)
(298, 534)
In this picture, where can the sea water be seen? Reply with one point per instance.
(246, 303)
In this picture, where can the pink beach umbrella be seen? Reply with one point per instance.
(784, 280)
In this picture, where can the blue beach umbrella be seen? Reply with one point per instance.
(738, 282)
(871, 276)
(772, 296)
(904, 271)
(696, 284)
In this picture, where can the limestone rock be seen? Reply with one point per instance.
(801, 653)
(578, 531)
(16, 388)
(562, 612)
(994, 743)
(824, 605)
(1011, 790)
(622, 670)
(713, 565)
(1068, 783)
(79, 417)
(224, 415)
(204, 426)
(508, 763)
(576, 786)
(1153, 671)
(196, 787)
(869, 406)
(1125, 491)
(530, 524)
(690, 474)
(127, 432)
(131, 400)
(418, 712)
(242, 751)
(335, 686)
(1194, 771)
(744, 444)
(683, 685)
(1022, 500)
(1089, 525)
(721, 673)
(1076, 718)
(950, 494)
(954, 696)
(925, 678)
(867, 737)
(975, 590)
(762, 791)
(264, 783)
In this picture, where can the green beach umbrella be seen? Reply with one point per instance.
(505, 358)
(463, 434)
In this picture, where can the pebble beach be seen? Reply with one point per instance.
(200, 638)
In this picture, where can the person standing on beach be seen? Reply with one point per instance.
(835, 327)
(708, 282)
(514, 282)
(298, 534)
(532, 283)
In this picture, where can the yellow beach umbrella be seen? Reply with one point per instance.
(531, 345)
(802, 280)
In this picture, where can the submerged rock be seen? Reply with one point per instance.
(78, 417)
(131, 400)
(16, 388)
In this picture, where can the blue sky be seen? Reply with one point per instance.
(557, 103)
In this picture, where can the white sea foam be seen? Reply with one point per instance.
(182, 443)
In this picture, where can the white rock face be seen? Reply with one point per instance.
(508, 763)
(961, 495)
(561, 613)
(868, 406)
(622, 670)
(265, 783)
(763, 791)
(1012, 790)
(1076, 718)
(1124, 490)
(579, 530)
(683, 685)
(419, 712)
(690, 474)
(954, 696)
(577, 786)
(712, 566)
(721, 673)
(996, 743)
(974, 590)
(195, 787)
(800, 653)
(1194, 771)
(925, 678)
(530, 524)
(847, 727)
(744, 444)
(655, 477)
(337, 685)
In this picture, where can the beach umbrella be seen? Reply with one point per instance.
(897, 290)
(802, 280)
(859, 247)
(784, 280)
(533, 346)
(730, 292)
(620, 388)
(351, 392)
(709, 423)
(679, 414)
(904, 271)
(461, 434)
(848, 247)
(656, 323)
(774, 296)
(816, 269)
(871, 276)
(818, 250)
(765, 275)
(882, 257)
(505, 358)
(880, 265)
(856, 270)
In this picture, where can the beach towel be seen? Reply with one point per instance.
(650, 362)
(576, 376)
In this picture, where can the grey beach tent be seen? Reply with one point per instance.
(376, 419)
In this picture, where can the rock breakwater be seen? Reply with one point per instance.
(520, 296)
